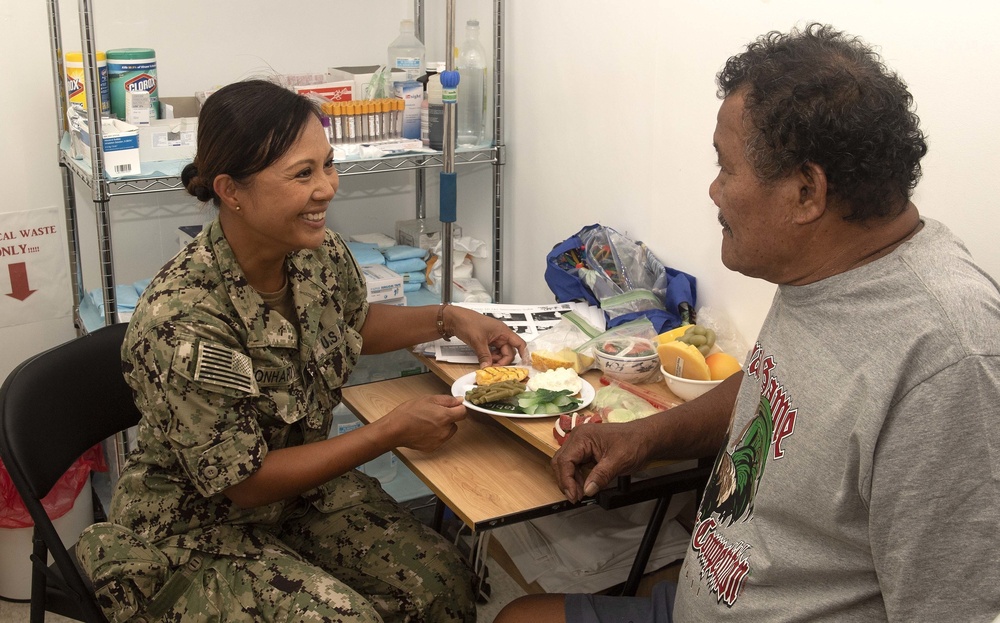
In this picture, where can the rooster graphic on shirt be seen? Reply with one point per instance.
(731, 490)
(729, 496)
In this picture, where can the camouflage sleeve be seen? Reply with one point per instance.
(352, 280)
(200, 395)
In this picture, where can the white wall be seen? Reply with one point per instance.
(612, 108)
(610, 112)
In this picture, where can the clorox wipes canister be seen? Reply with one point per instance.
(132, 69)
(75, 83)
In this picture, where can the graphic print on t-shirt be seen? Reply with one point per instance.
(732, 488)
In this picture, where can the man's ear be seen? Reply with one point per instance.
(225, 188)
(812, 201)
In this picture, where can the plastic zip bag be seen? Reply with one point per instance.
(606, 268)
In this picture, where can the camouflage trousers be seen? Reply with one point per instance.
(366, 563)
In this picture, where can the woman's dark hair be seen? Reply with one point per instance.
(821, 96)
(242, 129)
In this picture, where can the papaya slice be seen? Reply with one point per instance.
(683, 360)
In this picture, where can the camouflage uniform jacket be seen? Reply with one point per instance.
(221, 380)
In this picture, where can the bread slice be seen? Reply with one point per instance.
(564, 358)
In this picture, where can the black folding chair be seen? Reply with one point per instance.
(53, 408)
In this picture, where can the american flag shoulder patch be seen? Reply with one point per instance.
(224, 366)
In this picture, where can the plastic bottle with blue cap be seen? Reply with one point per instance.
(471, 67)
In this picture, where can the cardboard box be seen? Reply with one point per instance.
(168, 139)
(174, 107)
(338, 91)
(361, 76)
(383, 284)
(121, 146)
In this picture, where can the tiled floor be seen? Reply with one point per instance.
(18, 613)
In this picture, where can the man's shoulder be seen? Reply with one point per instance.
(966, 298)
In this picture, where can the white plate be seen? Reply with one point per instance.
(468, 381)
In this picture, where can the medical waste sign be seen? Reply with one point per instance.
(34, 267)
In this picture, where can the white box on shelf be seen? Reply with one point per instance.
(121, 146)
(168, 139)
(383, 284)
(137, 107)
(412, 94)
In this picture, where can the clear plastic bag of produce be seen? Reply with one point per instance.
(616, 405)
(622, 276)
(728, 339)
(563, 342)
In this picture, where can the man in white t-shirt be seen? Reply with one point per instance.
(858, 470)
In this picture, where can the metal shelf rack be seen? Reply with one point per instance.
(103, 189)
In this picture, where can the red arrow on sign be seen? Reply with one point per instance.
(19, 281)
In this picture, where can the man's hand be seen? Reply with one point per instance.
(615, 449)
(693, 430)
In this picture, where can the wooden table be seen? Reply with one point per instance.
(489, 477)
(486, 476)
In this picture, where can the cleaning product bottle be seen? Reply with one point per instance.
(471, 68)
(435, 112)
(424, 120)
(406, 52)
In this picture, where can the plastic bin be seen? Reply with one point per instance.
(15, 546)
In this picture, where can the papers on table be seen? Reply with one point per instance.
(528, 321)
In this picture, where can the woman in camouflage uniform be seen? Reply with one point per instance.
(236, 506)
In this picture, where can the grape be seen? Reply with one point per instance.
(700, 337)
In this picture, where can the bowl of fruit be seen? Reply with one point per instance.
(690, 367)
(633, 360)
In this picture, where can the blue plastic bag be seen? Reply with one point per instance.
(621, 276)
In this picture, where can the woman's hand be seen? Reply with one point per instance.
(493, 341)
(424, 423)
